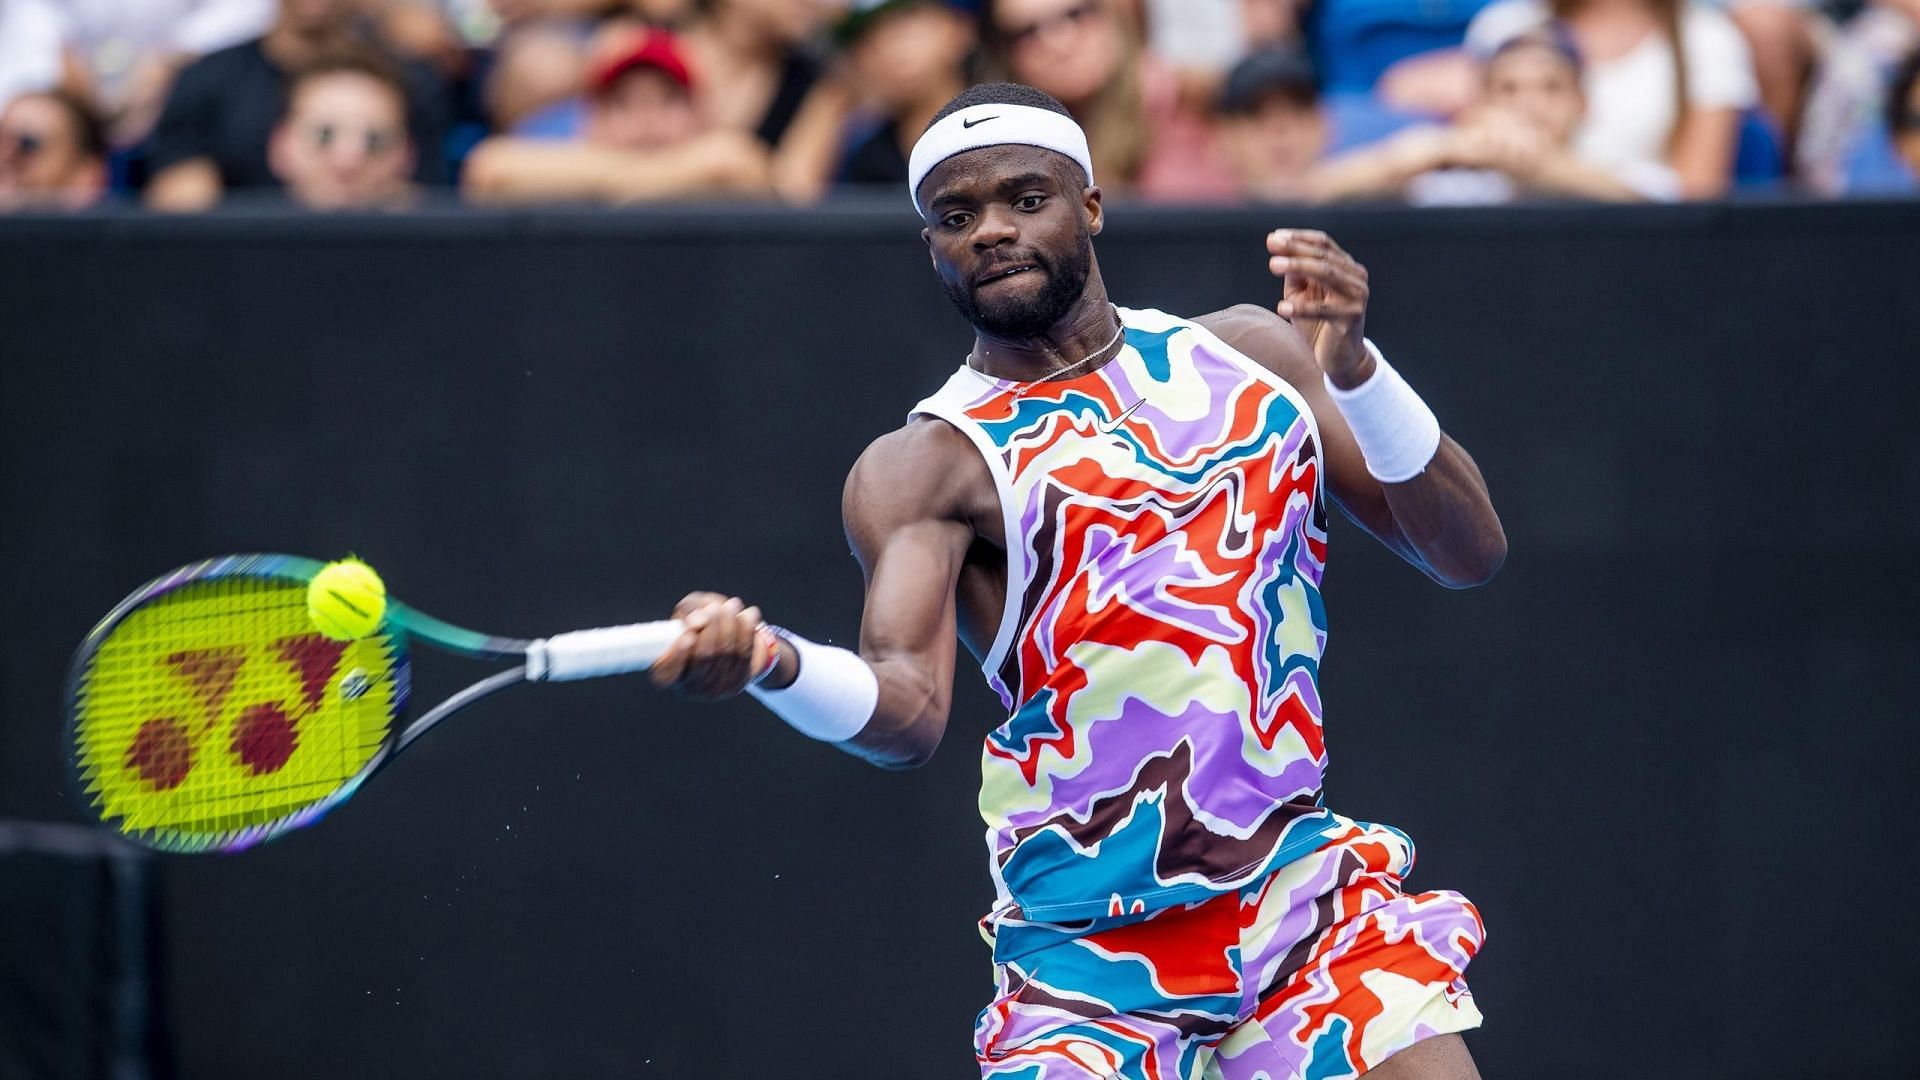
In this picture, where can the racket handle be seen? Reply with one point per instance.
(611, 650)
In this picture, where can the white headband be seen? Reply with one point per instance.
(978, 126)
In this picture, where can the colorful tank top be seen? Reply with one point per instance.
(1160, 648)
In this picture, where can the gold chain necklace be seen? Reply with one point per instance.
(1021, 388)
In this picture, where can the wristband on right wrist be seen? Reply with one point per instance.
(832, 697)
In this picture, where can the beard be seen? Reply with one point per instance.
(1015, 317)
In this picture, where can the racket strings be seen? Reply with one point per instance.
(215, 711)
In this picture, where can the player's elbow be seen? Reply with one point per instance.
(1477, 565)
(899, 755)
(906, 728)
(922, 737)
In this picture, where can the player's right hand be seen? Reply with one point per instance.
(718, 653)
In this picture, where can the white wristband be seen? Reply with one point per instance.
(1397, 433)
(831, 699)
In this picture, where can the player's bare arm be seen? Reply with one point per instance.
(1442, 519)
(911, 506)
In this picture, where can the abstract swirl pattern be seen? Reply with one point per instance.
(1159, 653)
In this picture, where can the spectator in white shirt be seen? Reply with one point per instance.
(1666, 82)
(1515, 141)
(120, 54)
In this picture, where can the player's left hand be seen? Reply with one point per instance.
(1325, 297)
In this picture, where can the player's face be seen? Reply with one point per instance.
(1010, 229)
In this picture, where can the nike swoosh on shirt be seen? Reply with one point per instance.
(982, 120)
(1113, 425)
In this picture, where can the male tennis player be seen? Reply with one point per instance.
(1121, 512)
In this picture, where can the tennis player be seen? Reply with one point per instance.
(1123, 513)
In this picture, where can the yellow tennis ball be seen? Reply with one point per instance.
(346, 600)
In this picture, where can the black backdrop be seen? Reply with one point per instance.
(1667, 751)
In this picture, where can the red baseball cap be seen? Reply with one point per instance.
(657, 49)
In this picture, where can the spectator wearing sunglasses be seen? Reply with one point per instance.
(343, 142)
(1147, 141)
(213, 133)
(53, 153)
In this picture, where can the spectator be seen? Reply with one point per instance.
(1782, 40)
(1666, 82)
(754, 73)
(1271, 125)
(343, 142)
(123, 56)
(1087, 54)
(1843, 145)
(1516, 140)
(53, 153)
(1903, 116)
(902, 61)
(534, 87)
(212, 136)
(644, 139)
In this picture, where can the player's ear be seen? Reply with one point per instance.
(1096, 213)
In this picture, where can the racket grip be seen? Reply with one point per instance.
(611, 650)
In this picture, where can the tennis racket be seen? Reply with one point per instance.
(207, 713)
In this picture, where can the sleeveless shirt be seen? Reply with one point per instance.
(1159, 650)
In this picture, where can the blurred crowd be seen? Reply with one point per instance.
(182, 105)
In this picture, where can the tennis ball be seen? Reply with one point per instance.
(346, 600)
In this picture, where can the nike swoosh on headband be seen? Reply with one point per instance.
(981, 120)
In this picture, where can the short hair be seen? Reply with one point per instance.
(1902, 116)
(84, 122)
(1000, 94)
(350, 58)
(1277, 72)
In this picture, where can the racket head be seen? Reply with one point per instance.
(207, 713)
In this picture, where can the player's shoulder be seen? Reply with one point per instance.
(924, 468)
(922, 439)
(1265, 338)
(1240, 319)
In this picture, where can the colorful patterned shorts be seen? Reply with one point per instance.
(1322, 970)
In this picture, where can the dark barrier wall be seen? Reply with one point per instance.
(1668, 751)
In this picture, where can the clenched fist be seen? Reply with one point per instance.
(720, 652)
